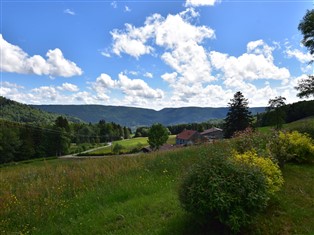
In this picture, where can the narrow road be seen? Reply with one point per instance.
(74, 156)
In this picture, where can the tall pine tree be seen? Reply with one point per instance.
(238, 117)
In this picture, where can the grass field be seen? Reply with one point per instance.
(133, 195)
(306, 123)
(128, 145)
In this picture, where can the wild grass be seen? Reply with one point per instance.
(91, 196)
(133, 195)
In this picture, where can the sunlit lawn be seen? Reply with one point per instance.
(129, 144)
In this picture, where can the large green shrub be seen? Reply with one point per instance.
(291, 146)
(224, 189)
(301, 146)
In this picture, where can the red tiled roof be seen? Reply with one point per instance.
(186, 134)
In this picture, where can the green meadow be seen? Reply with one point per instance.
(133, 195)
(128, 145)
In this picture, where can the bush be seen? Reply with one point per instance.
(117, 148)
(278, 149)
(291, 146)
(303, 127)
(301, 146)
(271, 170)
(224, 189)
(249, 139)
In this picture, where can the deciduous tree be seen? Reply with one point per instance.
(279, 114)
(157, 136)
(306, 87)
(306, 27)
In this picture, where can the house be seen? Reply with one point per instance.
(188, 137)
(213, 133)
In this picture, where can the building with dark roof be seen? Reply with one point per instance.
(213, 133)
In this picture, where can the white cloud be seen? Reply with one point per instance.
(169, 33)
(191, 62)
(46, 92)
(69, 11)
(181, 40)
(148, 75)
(105, 53)
(299, 55)
(135, 90)
(175, 30)
(257, 63)
(132, 40)
(138, 88)
(15, 60)
(68, 87)
(170, 77)
(105, 81)
(127, 9)
(198, 3)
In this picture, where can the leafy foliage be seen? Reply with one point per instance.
(239, 117)
(306, 27)
(291, 146)
(224, 189)
(157, 136)
(274, 178)
(248, 140)
(279, 114)
(117, 148)
(291, 112)
(300, 146)
(306, 87)
(17, 112)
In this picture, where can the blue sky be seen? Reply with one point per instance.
(152, 54)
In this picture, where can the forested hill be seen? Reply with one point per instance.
(132, 117)
(13, 111)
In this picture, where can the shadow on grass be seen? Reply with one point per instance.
(189, 225)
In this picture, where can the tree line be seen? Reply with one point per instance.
(21, 141)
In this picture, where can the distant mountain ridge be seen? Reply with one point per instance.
(17, 112)
(132, 117)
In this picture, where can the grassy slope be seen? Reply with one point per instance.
(292, 125)
(129, 144)
(132, 195)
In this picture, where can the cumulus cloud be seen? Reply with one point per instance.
(135, 90)
(169, 33)
(133, 40)
(256, 63)
(188, 58)
(181, 40)
(199, 3)
(15, 60)
(68, 87)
